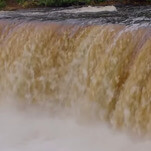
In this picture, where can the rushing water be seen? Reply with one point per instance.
(75, 79)
(127, 15)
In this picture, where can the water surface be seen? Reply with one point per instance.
(127, 15)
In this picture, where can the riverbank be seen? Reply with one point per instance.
(25, 4)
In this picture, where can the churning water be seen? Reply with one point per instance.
(75, 79)
(127, 15)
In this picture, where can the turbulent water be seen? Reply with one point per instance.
(127, 15)
(73, 85)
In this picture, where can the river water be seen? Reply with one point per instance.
(127, 15)
(75, 79)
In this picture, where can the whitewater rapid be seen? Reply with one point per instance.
(88, 15)
(90, 9)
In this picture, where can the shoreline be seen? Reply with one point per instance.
(16, 6)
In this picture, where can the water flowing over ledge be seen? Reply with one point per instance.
(67, 65)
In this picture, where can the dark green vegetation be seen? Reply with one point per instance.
(54, 2)
(57, 3)
(75, 2)
(2, 3)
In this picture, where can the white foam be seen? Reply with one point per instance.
(35, 130)
(90, 9)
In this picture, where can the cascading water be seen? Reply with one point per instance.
(92, 73)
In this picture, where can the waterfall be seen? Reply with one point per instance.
(63, 65)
